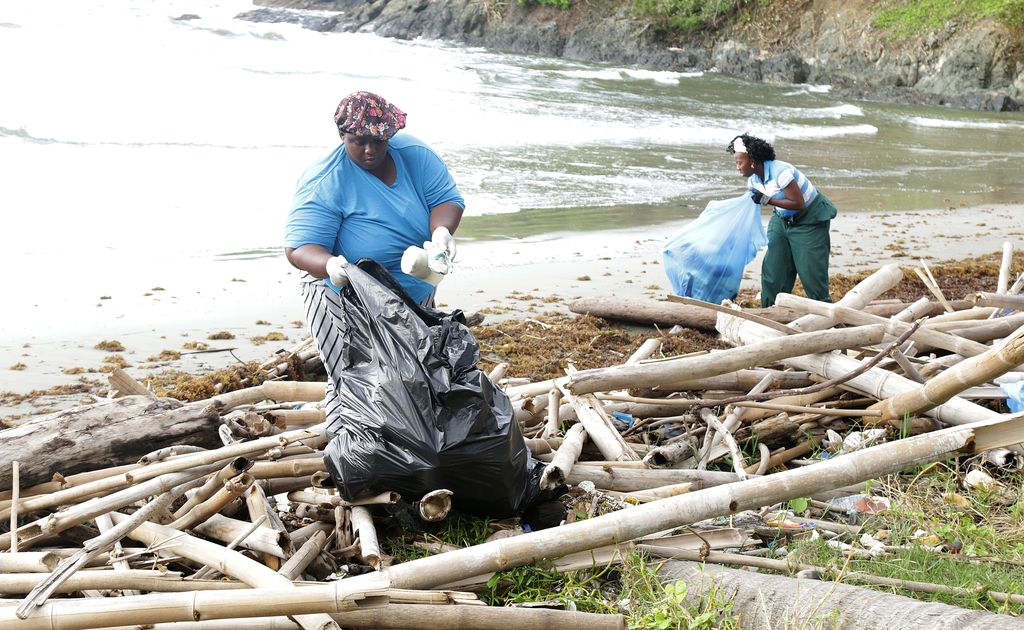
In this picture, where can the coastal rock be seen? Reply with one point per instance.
(737, 59)
(830, 42)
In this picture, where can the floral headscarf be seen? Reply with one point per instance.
(366, 114)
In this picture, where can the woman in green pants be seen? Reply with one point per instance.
(798, 238)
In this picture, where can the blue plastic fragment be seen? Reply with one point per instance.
(625, 417)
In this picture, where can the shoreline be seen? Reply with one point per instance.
(510, 278)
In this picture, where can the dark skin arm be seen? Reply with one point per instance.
(313, 258)
(793, 201)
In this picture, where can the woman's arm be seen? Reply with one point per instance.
(794, 200)
(312, 258)
(447, 214)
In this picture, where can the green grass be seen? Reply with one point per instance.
(910, 18)
(988, 524)
(686, 15)
(632, 589)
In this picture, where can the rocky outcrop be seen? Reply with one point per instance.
(820, 41)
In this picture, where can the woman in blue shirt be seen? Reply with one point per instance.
(373, 196)
(798, 231)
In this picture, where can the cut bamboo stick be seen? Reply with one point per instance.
(362, 526)
(561, 465)
(302, 558)
(602, 433)
(232, 489)
(1003, 283)
(999, 300)
(265, 540)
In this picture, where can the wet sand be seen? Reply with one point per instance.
(251, 298)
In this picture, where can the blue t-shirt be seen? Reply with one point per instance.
(352, 213)
(778, 175)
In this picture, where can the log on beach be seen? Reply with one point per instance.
(665, 313)
(111, 432)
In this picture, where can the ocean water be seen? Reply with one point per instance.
(136, 148)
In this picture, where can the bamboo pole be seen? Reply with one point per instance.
(632, 480)
(146, 473)
(15, 490)
(554, 404)
(128, 581)
(934, 338)
(233, 544)
(263, 540)
(232, 469)
(226, 561)
(668, 374)
(661, 515)
(270, 390)
(602, 433)
(737, 459)
(435, 505)
(556, 472)
(738, 380)
(856, 298)
(498, 372)
(38, 530)
(94, 547)
(302, 558)
(29, 562)
(973, 371)
(877, 383)
(421, 617)
(232, 489)
(325, 500)
(999, 300)
(1004, 268)
(362, 526)
(104, 523)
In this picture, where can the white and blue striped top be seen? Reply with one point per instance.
(778, 175)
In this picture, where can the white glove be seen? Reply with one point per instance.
(336, 271)
(438, 260)
(444, 240)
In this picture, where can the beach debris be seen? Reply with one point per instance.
(734, 456)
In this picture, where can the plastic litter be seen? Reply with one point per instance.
(415, 414)
(1014, 395)
(706, 259)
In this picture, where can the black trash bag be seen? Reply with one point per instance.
(414, 414)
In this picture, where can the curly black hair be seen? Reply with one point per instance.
(758, 149)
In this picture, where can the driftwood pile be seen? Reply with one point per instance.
(157, 514)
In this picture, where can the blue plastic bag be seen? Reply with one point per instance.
(1014, 395)
(706, 259)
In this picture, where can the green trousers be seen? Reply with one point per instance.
(799, 249)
